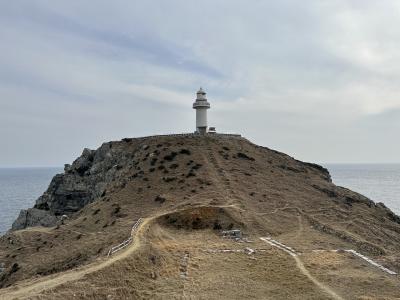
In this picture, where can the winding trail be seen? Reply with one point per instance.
(30, 288)
(302, 268)
(319, 284)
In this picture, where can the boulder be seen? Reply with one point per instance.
(84, 162)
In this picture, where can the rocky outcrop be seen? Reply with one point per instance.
(392, 216)
(34, 217)
(86, 179)
(324, 172)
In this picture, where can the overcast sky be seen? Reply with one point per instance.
(319, 80)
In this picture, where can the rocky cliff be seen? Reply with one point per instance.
(88, 178)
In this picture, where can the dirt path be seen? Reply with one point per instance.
(302, 268)
(30, 288)
(220, 174)
(319, 284)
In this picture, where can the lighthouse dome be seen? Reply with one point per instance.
(201, 91)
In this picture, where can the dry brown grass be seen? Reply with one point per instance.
(273, 195)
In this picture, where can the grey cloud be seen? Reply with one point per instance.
(306, 78)
(111, 44)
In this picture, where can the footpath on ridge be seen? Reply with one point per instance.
(27, 289)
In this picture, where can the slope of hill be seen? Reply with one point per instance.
(297, 225)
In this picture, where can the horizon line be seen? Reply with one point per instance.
(320, 163)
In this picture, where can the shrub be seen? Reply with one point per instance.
(160, 199)
(191, 174)
(185, 151)
(117, 210)
(197, 166)
(169, 179)
(171, 156)
(244, 156)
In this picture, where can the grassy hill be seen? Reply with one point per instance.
(188, 189)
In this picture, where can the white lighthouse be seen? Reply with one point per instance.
(201, 105)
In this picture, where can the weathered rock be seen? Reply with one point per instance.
(84, 162)
(86, 179)
(34, 217)
(66, 194)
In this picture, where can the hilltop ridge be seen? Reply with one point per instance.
(87, 179)
(188, 188)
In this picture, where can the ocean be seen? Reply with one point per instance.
(379, 182)
(20, 187)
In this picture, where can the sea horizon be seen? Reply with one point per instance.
(20, 186)
(319, 163)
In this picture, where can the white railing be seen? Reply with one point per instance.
(279, 245)
(135, 226)
(293, 252)
(371, 262)
(126, 242)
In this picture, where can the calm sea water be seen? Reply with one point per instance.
(19, 188)
(379, 182)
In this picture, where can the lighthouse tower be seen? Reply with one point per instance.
(201, 105)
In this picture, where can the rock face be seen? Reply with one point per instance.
(34, 217)
(86, 179)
